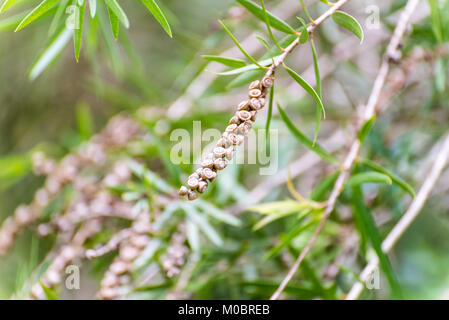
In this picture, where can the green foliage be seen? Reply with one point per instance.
(368, 177)
(230, 62)
(260, 13)
(323, 154)
(373, 235)
(349, 23)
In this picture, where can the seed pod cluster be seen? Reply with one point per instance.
(117, 276)
(234, 135)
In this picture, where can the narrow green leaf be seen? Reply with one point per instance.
(12, 22)
(316, 69)
(85, 121)
(304, 36)
(304, 8)
(202, 224)
(230, 62)
(158, 15)
(246, 54)
(172, 169)
(349, 23)
(267, 220)
(55, 23)
(368, 177)
(118, 11)
(267, 23)
(216, 213)
(288, 238)
(270, 112)
(374, 236)
(365, 129)
(249, 67)
(440, 73)
(324, 186)
(115, 25)
(436, 20)
(193, 235)
(303, 83)
(42, 8)
(49, 293)
(50, 53)
(78, 32)
(265, 44)
(274, 21)
(395, 178)
(304, 140)
(6, 4)
(13, 168)
(245, 78)
(278, 207)
(93, 8)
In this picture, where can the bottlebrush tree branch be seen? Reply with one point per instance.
(391, 54)
(407, 219)
(240, 123)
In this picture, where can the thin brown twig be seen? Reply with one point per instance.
(390, 55)
(408, 217)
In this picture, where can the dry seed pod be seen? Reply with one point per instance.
(202, 186)
(262, 102)
(267, 82)
(234, 120)
(254, 93)
(192, 183)
(243, 105)
(207, 163)
(219, 152)
(191, 195)
(183, 191)
(243, 129)
(220, 164)
(254, 85)
(194, 176)
(233, 138)
(223, 142)
(255, 104)
(244, 115)
(231, 128)
(253, 116)
(209, 174)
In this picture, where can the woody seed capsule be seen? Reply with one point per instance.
(243, 105)
(254, 85)
(209, 174)
(255, 104)
(267, 82)
(183, 191)
(219, 152)
(231, 127)
(194, 175)
(234, 120)
(192, 183)
(254, 93)
(253, 115)
(220, 164)
(223, 142)
(243, 129)
(191, 195)
(202, 186)
(244, 115)
(207, 163)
